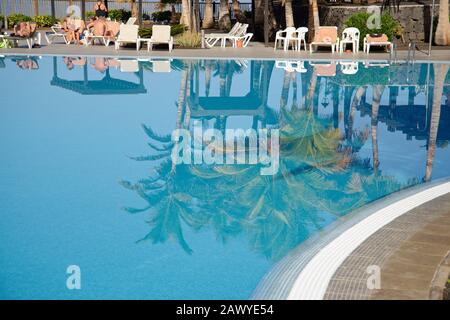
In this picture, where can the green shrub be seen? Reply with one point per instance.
(90, 14)
(175, 30)
(162, 16)
(45, 21)
(17, 18)
(119, 14)
(389, 25)
(189, 40)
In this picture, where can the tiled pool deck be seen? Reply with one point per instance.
(255, 50)
(408, 251)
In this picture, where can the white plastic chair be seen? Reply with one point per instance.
(350, 35)
(284, 36)
(298, 37)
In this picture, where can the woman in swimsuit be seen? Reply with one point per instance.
(100, 10)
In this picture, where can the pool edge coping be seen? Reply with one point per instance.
(307, 270)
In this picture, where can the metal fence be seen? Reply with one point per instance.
(28, 7)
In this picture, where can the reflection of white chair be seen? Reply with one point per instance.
(299, 66)
(349, 67)
(129, 65)
(161, 66)
(283, 36)
(350, 35)
(291, 66)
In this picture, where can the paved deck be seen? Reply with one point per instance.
(255, 50)
(409, 251)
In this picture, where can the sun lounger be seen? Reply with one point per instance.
(57, 32)
(212, 38)
(131, 21)
(325, 36)
(127, 34)
(244, 39)
(34, 37)
(382, 40)
(112, 28)
(160, 35)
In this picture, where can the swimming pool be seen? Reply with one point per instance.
(87, 176)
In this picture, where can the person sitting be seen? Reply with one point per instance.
(98, 26)
(100, 9)
(74, 28)
(22, 30)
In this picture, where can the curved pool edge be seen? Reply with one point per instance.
(306, 271)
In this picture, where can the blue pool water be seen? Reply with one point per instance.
(86, 144)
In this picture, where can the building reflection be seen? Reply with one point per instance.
(108, 85)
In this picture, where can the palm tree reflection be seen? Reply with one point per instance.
(321, 176)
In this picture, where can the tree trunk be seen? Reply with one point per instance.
(134, 9)
(313, 20)
(36, 7)
(289, 13)
(195, 17)
(259, 20)
(224, 16)
(440, 72)
(442, 35)
(377, 93)
(208, 19)
(239, 15)
(185, 12)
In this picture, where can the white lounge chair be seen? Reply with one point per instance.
(161, 34)
(57, 32)
(131, 21)
(212, 38)
(244, 38)
(350, 35)
(127, 34)
(284, 36)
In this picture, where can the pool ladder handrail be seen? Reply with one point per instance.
(393, 53)
(411, 57)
